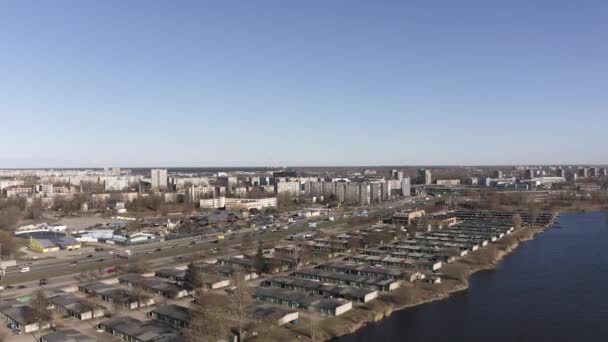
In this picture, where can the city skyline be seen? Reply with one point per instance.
(270, 83)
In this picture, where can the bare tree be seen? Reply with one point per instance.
(240, 299)
(139, 266)
(194, 278)
(40, 313)
(35, 210)
(210, 320)
(517, 221)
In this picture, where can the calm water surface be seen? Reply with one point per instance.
(553, 288)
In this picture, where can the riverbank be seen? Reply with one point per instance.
(454, 279)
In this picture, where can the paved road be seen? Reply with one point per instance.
(46, 266)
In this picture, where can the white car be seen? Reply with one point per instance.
(24, 269)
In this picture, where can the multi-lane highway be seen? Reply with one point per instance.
(61, 272)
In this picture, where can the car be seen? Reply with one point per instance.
(158, 249)
(43, 281)
(21, 286)
(8, 287)
(100, 260)
(24, 269)
(90, 256)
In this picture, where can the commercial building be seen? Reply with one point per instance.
(54, 244)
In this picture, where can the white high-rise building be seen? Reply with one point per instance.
(406, 187)
(158, 178)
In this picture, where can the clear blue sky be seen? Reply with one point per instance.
(212, 83)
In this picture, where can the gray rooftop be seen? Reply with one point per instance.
(68, 335)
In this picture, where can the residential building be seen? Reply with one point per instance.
(341, 192)
(158, 178)
(288, 187)
(583, 172)
(450, 182)
(213, 203)
(20, 190)
(406, 187)
(375, 192)
(116, 184)
(385, 190)
(364, 194)
(353, 194)
(424, 177)
(398, 175)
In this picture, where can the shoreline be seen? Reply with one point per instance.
(455, 278)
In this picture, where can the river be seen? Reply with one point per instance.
(552, 288)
